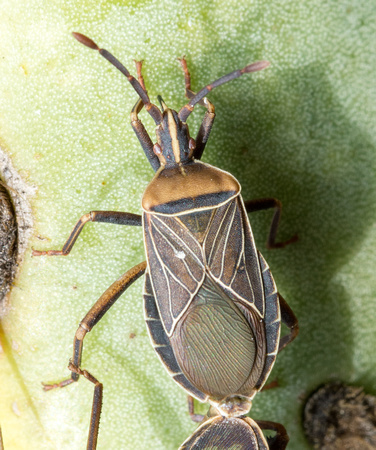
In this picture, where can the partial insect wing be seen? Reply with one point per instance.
(220, 433)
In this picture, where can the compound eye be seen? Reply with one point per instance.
(192, 146)
(157, 149)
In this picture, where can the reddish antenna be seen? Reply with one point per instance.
(150, 107)
(188, 108)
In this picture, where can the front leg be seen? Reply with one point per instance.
(208, 120)
(143, 136)
(114, 217)
(138, 127)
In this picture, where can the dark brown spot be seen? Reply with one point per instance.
(340, 417)
(8, 242)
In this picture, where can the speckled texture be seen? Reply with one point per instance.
(303, 130)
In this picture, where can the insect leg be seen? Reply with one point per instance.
(289, 319)
(143, 136)
(138, 127)
(266, 203)
(205, 129)
(191, 410)
(280, 440)
(101, 306)
(97, 311)
(272, 385)
(115, 217)
(208, 120)
(96, 409)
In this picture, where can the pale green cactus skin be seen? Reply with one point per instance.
(303, 130)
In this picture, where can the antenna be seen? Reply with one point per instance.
(150, 108)
(188, 108)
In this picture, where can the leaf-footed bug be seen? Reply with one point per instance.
(211, 306)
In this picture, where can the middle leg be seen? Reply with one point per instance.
(267, 203)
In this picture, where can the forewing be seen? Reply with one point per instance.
(231, 254)
(175, 265)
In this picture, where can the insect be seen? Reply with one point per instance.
(243, 433)
(211, 305)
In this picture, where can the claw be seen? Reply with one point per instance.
(49, 387)
(46, 252)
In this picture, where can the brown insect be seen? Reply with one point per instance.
(241, 433)
(211, 305)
